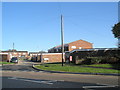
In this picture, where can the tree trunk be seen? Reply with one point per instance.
(119, 42)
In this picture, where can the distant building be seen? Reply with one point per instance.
(79, 44)
(33, 54)
(7, 55)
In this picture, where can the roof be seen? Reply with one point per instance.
(59, 46)
(94, 49)
(15, 51)
(69, 43)
(80, 40)
(33, 52)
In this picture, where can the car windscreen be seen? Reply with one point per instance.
(14, 59)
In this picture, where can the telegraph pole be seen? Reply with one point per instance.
(13, 46)
(62, 39)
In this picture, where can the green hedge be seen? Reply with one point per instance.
(97, 60)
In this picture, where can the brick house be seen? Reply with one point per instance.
(54, 54)
(13, 53)
(79, 44)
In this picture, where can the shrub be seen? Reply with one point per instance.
(112, 60)
(104, 60)
(94, 60)
(80, 61)
(86, 61)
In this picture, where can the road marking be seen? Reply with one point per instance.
(86, 87)
(42, 81)
(106, 84)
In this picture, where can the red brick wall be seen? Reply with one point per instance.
(52, 57)
(4, 57)
(80, 43)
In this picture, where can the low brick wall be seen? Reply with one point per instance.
(51, 57)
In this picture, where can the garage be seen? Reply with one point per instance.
(3, 57)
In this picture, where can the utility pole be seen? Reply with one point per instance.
(62, 39)
(13, 46)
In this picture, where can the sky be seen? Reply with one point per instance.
(36, 26)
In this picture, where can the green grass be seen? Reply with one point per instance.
(105, 65)
(68, 68)
(5, 62)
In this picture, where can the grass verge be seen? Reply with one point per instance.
(117, 66)
(6, 62)
(78, 69)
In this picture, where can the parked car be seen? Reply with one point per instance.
(14, 60)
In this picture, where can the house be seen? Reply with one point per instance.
(79, 44)
(7, 55)
(54, 54)
(34, 56)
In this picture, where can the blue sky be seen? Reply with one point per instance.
(35, 26)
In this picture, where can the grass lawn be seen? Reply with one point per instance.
(68, 68)
(5, 62)
(105, 65)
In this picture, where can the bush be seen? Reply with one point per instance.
(80, 61)
(94, 60)
(88, 60)
(112, 60)
(104, 60)
(97, 60)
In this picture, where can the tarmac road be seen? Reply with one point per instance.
(14, 82)
(21, 66)
(22, 75)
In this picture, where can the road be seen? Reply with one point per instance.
(22, 75)
(21, 66)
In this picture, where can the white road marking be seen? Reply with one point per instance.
(13, 78)
(106, 84)
(98, 86)
(43, 82)
(40, 71)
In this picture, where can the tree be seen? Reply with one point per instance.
(116, 30)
